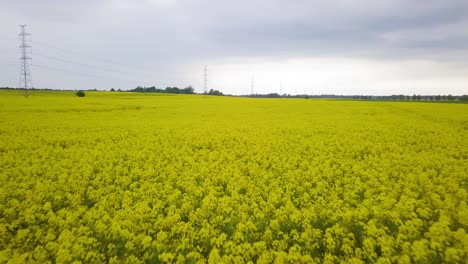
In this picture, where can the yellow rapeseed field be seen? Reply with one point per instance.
(147, 178)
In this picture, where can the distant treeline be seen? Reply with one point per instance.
(214, 92)
(270, 95)
(38, 89)
(172, 90)
(415, 97)
(45, 89)
(190, 90)
(400, 97)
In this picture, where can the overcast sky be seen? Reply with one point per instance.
(293, 46)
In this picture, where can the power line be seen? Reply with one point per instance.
(66, 52)
(41, 43)
(40, 66)
(9, 59)
(35, 65)
(63, 70)
(25, 72)
(78, 63)
(9, 38)
(100, 59)
(124, 68)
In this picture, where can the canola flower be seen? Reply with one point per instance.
(145, 178)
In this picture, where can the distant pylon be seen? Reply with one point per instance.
(25, 80)
(252, 86)
(205, 79)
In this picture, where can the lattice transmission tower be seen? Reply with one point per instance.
(281, 88)
(252, 86)
(25, 80)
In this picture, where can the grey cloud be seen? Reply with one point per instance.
(191, 29)
(344, 31)
(50, 10)
(163, 35)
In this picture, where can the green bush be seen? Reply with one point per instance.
(80, 94)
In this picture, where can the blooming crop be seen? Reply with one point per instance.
(142, 178)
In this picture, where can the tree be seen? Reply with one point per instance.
(112, 90)
(80, 93)
(173, 90)
(215, 92)
(188, 90)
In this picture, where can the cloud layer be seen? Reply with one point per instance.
(123, 43)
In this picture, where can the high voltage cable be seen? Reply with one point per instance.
(79, 53)
(80, 64)
(40, 66)
(132, 70)
(63, 70)
(71, 62)
(42, 43)
(77, 63)
(5, 37)
(103, 60)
